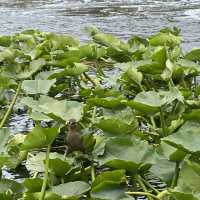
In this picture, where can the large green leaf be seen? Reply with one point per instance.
(37, 86)
(186, 138)
(33, 67)
(39, 137)
(71, 189)
(62, 109)
(109, 191)
(128, 153)
(115, 127)
(188, 186)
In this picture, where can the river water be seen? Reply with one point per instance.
(121, 17)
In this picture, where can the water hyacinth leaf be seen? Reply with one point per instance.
(48, 196)
(6, 82)
(193, 115)
(33, 67)
(33, 184)
(186, 138)
(37, 116)
(109, 191)
(4, 137)
(71, 189)
(189, 182)
(39, 137)
(115, 127)
(5, 40)
(37, 86)
(128, 153)
(62, 109)
(193, 55)
(162, 39)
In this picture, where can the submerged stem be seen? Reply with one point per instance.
(150, 186)
(138, 179)
(144, 193)
(44, 185)
(11, 106)
(90, 79)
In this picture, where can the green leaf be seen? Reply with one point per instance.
(115, 127)
(128, 153)
(189, 182)
(115, 176)
(186, 138)
(146, 102)
(63, 109)
(33, 67)
(39, 137)
(59, 167)
(71, 189)
(4, 136)
(37, 86)
(33, 184)
(193, 55)
(162, 39)
(109, 191)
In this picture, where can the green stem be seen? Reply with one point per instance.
(162, 120)
(176, 175)
(90, 79)
(11, 106)
(162, 194)
(144, 193)
(93, 175)
(44, 185)
(94, 114)
(138, 179)
(150, 186)
(153, 122)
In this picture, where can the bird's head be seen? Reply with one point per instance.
(72, 123)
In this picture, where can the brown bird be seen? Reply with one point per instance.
(74, 138)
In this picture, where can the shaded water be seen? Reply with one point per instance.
(121, 17)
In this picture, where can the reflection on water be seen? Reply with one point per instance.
(122, 17)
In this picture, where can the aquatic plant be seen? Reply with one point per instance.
(135, 102)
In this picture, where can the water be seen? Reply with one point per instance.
(121, 17)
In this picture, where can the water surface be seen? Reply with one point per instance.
(121, 17)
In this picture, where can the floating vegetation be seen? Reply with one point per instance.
(127, 110)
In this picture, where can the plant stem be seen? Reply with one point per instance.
(94, 114)
(162, 194)
(144, 193)
(175, 178)
(153, 122)
(44, 185)
(162, 120)
(138, 179)
(150, 186)
(11, 106)
(90, 79)
(93, 172)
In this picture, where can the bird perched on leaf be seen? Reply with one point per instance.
(74, 137)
